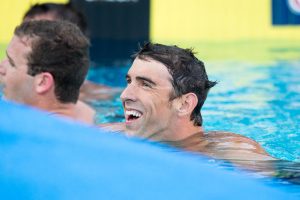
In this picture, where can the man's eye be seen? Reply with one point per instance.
(146, 84)
(11, 64)
(128, 80)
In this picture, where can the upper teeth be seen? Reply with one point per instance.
(133, 113)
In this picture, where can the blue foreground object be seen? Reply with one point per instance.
(43, 157)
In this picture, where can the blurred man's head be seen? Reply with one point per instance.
(45, 59)
(56, 11)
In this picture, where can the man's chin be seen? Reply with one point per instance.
(130, 129)
(137, 132)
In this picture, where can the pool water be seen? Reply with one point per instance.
(260, 101)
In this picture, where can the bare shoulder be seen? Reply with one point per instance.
(85, 113)
(237, 145)
(230, 137)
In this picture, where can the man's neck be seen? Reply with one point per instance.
(57, 108)
(182, 130)
(79, 111)
(67, 110)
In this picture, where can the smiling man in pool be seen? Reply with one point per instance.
(46, 63)
(166, 89)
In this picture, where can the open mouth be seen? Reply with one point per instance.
(132, 115)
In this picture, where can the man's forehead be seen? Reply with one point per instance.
(148, 66)
(25, 40)
(19, 42)
(18, 47)
(151, 70)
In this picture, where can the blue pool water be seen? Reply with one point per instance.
(260, 101)
(44, 157)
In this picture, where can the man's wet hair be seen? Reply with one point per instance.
(188, 73)
(60, 12)
(60, 48)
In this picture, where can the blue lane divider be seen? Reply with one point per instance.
(43, 157)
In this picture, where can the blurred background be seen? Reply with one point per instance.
(256, 30)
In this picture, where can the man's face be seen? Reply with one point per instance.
(17, 84)
(146, 99)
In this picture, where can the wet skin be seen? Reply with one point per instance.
(150, 113)
(146, 100)
(13, 72)
(21, 87)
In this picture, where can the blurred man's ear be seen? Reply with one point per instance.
(44, 82)
(186, 104)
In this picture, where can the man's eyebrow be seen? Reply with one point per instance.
(141, 78)
(9, 58)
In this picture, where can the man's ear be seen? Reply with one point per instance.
(186, 104)
(44, 82)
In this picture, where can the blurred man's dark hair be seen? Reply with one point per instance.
(57, 11)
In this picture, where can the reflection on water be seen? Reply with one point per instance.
(109, 110)
(285, 170)
(258, 102)
(280, 172)
(232, 152)
(277, 173)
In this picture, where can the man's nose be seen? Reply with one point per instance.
(129, 93)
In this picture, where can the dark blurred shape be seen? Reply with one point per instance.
(116, 28)
(285, 12)
(54, 11)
